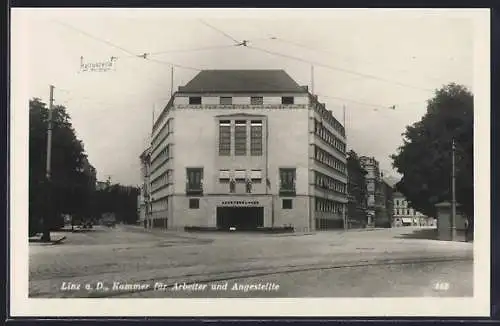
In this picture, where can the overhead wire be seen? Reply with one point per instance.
(146, 55)
(132, 54)
(220, 31)
(244, 43)
(296, 44)
(126, 50)
(347, 71)
(371, 105)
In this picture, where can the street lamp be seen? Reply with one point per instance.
(453, 198)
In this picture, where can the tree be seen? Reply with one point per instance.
(425, 159)
(118, 199)
(68, 188)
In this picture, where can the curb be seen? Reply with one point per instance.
(51, 243)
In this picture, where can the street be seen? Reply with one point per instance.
(129, 262)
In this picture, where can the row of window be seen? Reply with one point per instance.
(194, 179)
(329, 160)
(162, 156)
(162, 180)
(240, 137)
(327, 205)
(328, 137)
(162, 134)
(402, 202)
(327, 115)
(228, 100)
(402, 211)
(329, 183)
(160, 204)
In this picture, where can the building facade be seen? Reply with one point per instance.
(374, 189)
(357, 192)
(247, 149)
(388, 198)
(404, 215)
(144, 204)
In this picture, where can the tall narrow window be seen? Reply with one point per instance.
(194, 182)
(225, 138)
(287, 180)
(256, 138)
(240, 138)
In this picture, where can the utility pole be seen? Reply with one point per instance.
(453, 199)
(312, 79)
(48, 214)
(172, 81)
(148, 176)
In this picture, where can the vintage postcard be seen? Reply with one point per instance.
(229, 162)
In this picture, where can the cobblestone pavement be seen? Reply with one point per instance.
(131, 255)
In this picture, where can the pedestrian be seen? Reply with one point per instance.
(467, 229)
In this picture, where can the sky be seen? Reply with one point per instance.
(364, 60)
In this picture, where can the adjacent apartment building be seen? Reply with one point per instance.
(375, 190)
(357, 192)
(144, 203)
(404, 215)
(247, 149)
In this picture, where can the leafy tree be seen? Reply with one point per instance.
(70, 186)
(118, 199)
(425, 159)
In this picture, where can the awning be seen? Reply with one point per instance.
(240, 174)
(224, 174)
(256, 174)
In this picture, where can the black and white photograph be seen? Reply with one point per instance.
(250, 162)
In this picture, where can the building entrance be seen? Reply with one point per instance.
(242, 218)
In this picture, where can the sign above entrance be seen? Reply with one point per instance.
(240, 203)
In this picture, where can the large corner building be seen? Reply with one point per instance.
(246, 149)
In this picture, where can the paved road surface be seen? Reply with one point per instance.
(436, 279)
(131, 255)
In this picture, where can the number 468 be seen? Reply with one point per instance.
(441, 286)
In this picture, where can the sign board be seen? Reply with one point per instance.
(232, 203)
(99, 66)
